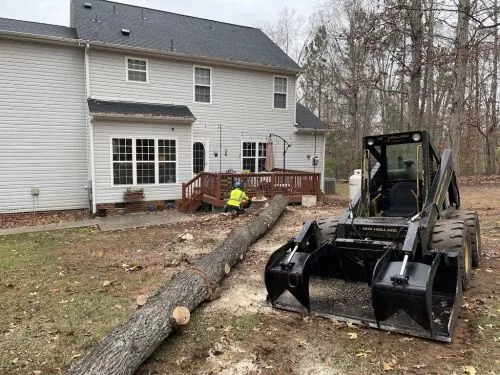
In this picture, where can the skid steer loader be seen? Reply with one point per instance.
(400, 256)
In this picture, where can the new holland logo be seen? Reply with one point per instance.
(379, 229)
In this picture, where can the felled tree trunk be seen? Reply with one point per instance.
(127, 346)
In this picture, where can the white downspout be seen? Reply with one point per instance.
(90, 126)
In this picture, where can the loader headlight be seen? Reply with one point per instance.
(370, 141)
(416, 137)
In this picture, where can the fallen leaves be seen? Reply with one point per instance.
(386, 366)
(352, 335)
(364, 353)
(130, 268)
(469, 370)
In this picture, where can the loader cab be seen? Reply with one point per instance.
(396, 173)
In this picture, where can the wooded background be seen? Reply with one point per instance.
(397, 65)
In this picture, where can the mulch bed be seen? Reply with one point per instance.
(22, 219)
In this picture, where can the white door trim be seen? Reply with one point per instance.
(206, 144)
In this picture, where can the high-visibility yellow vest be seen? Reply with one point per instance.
(237, 195)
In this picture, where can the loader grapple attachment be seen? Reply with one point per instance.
(425, 306)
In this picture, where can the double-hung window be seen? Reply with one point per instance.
(254, 156)
(143, 161)
(202, 85)
(122, 162)
(280, 90)
(167, 160)
(137, 70)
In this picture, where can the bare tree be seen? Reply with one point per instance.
(460, 77)
(288, 32)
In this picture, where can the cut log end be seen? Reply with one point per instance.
(196, 285)
(181, 315)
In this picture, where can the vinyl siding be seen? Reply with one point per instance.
(104, 131)
(42, 127)
(242, 102)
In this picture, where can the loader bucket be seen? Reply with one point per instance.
(426, 307)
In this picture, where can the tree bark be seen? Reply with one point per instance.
(460, 76)
(127, 346)
(491, 167)
(416, 26)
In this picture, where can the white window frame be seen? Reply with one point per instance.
(257, 157)
(121, 162)
(274, 92)
(210, 86)
(157, 152)
(134, 161)
(135, 70)
(205, 142)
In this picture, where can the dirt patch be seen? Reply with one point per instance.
(280, 342)
(56, 302)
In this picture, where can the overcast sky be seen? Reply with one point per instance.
(243, 12)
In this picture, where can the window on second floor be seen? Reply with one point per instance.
(137, 70)
(202, 84)
(280, 89)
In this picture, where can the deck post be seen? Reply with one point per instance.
(218, 189)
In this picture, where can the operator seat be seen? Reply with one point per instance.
(402, 200)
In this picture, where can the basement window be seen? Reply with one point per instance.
(137, 70)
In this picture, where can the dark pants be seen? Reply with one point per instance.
(237, 209)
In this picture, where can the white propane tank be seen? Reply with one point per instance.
(354, 183)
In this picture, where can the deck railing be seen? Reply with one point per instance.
(214, 188)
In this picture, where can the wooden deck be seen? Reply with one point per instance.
(214, 188)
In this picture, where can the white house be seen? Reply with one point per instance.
(134, 97)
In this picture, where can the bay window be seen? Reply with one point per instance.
(143, 161)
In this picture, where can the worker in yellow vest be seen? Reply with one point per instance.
(238, 200)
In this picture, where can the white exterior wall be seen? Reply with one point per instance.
(242, 102)
(104, 131)
(42, 127)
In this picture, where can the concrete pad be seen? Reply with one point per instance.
(142, 219)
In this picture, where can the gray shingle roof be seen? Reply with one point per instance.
(133, 108)
(154, 29)
(307, 120)
(35, 28)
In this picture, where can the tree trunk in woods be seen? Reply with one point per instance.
(491, 167)
(460, 73)
(415, 16)
(127, 346)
